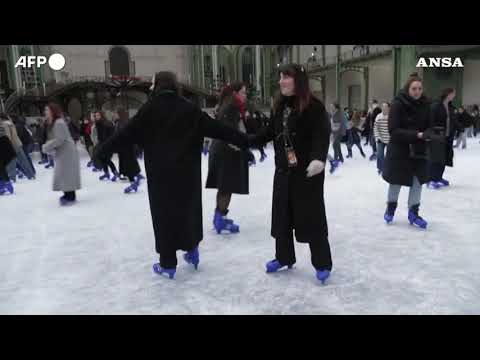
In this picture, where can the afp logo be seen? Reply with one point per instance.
(55, 61)
(439, 62)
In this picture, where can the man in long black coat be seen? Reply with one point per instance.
(171, 129)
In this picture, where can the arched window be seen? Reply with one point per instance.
(119, 60)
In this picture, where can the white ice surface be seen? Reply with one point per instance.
(96, 257)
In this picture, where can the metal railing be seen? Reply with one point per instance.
(354, 54)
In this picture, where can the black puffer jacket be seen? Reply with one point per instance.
(407, 154)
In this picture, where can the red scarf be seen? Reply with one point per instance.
(242, 106)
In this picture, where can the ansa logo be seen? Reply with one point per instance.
(439, 62)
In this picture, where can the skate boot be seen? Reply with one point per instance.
(323, 275)
(263, 156)
(333, 166)
(157, 269)
(122, 177)
(95, 169)
(50, 164)
(66, 202)
(133, 187)
(192, 257)
(434, 185)
(6, 187)
(416, 219)
(444, 182)
(373, 157)
(390, 212)
(220, 222)
(90, 164)
(140, 177)
(115, 177)
(105, 176)
(274, 265)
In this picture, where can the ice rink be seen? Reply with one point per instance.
(96, 257)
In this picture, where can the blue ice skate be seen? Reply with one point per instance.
(192, 257)
(390, 212)
(133, 187)
(434, 185)
(333, 165)
(90, 164)
(6, 187)
(444, 182)
(157, 269)
(416, 219)
(220, 222)
(274, 265)
(323, 275)
(66, 202)
(105, 176)
(115, 177)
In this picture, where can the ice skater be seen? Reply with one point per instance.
(7, 154)
(300, 130)
(445, 121)
(105, 130)
(62, 147)
(382, 135)
(406, 160)
(228, 165)
(171, 130)
(127, 158)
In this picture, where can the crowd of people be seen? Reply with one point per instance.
(411, 138)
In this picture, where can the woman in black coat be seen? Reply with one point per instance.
(127, 158)
(406, 158)
(300, 130)
(228, 164)
(105, 130)
(171, 129)
(445, 124)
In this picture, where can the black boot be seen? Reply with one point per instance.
(390, 212)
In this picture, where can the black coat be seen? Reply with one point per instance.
(298, 201)
(407, 154)
(171, 129)
(439, 119)
(105, 130)
(228, 167)
(465, 120)
(127, 157)
(7, 152)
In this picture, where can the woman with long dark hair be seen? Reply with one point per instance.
(409, 123)
(300, 130)
(227, 164)
(62, 147)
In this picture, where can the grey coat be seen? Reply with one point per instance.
(67, 162)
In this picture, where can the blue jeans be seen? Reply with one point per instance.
(414, 195)
(24, 164)
(380, 155)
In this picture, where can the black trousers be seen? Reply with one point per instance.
(319, 249)
(337, 149)
(436, 171)
(4, 174)
(70, 195)
(109, 164)
(321, 256)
